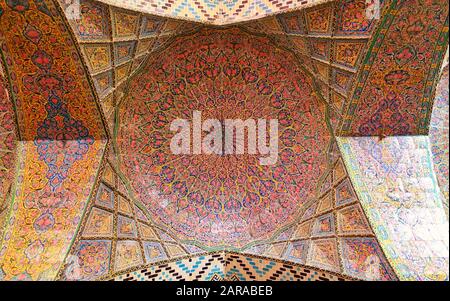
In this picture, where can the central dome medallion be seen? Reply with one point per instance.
(225, 200)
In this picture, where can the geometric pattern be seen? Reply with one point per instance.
(114, 43)
(321, 237)
(324, 226)
(201, 268)
(112, 227)
(229, 267)
(275, 250)
(344, 193)
(338, 57)
(217, 12)
(330, 41)
(252, 268)
(147, 232)
(124, 206)
(297, 251)
(174, 250)
(105, 197)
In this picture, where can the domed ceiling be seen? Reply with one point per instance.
(91, 188)
(223, 199)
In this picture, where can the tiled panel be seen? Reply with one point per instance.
(229, 266)
(398, 190)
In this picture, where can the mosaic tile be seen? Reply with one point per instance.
(416, 193)
(300, 44)
(324, 225)
(125, 23)
(108, 104)
(154, 252)
(93, 24)
(327, 183)
(174, 250)
(402, 202)
(144, 46)
(185, 205)
(126, 227)
(258, 249)
(124, 206)
(191, 249)
(338, 101)
(128, 254)
(303, 230)
(439, 137)
(140, 214)
(91, 260)
(351, 220)
(325, 203)
(122, 72)
(292, 23)
(104, 83)
(147, 232)
(341, 81)
(323, 70)
(363, 259)
(399, 70)
(320, 49)
(164, 236)
(151, 26)
(297, 251)
(348, 53)
(318, 20)
(215, 12)
(309, 212)
(344, 193)
(99, 224)
(98, 56)
(352, 17)
(275, 250)
(105, 197)
(123, 51)
(323, 254)
(109, 174)
(339, 171)
(285, 235)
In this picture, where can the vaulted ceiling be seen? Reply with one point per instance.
(90, 190)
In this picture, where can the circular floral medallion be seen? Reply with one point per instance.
(222, 199)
